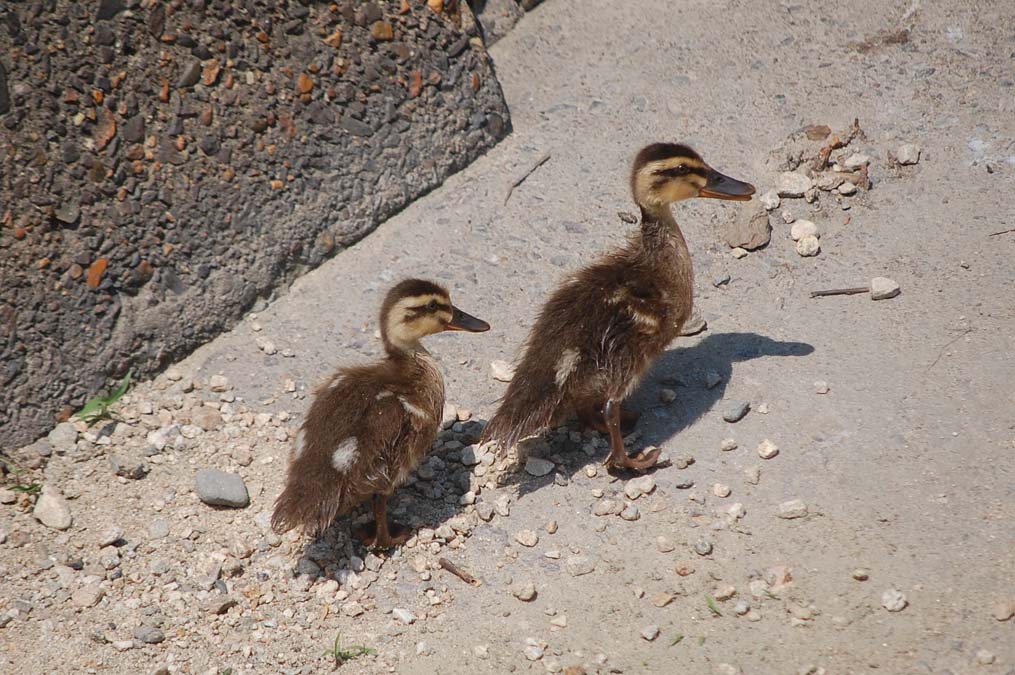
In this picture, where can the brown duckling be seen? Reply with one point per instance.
(370, 426)
(606, 323)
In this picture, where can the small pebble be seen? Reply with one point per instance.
(847, 189)
(110, 536)
(527, 538)
(808, 246)
(907, 153)
(525, 592)
(630, 513)
(893, 600)
(767, 449)
(856, 161)
(52, 510)
(803, 228)
(721, 490)
(721, 279)
(793, 184)
(794, 508)
(883, 288)
(728, 445)
(861, 574)
(738, 253)
(579, 565)
(220, 488)
(724, 592)
(985, 657)
(551, 527)
(537, 466)
(667, 395)
(702, 548)
(640, 486)
(820, 387)
(403, 615)
(684, 569)
(1004, 610)
(742, 607)
(752, 474)
(663, 544)
(650, 633)
(736, 411)
(770, 200)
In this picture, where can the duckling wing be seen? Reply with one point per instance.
(359, 438)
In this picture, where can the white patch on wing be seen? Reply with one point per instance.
(384, 394)
(565, 366)
(412, 409)
(344, 456)
(300, 445)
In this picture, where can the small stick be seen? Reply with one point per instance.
(540, 162)
(839, 291)
(459, 572)
(998, 234)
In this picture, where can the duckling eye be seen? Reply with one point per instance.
(682, 170)
(432, 305)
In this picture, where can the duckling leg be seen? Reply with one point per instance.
(381, 535)
(592, 416)
(619, 458)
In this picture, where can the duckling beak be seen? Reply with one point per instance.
(720, 186)
(462, 321)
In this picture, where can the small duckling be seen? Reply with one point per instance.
(605, 324)
(370, 426)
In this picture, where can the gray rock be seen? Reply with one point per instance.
(793, 184)
(736, 411)
(650, 633)
(220, 488)
(883, 288)
(579, 565)
(403, 616)
(7, 496)
(794, 508)
(631, 512)
(525, 591)
(537, 466)
(63, 437)
(150, 635)
(220, 604)
(702, 547)
(694, 325)
(52, 510)
(770, 200)
(748, 231)
(42, 448)
(133, 469)
(159, 529)
(640, 486)
(893, 600)
(87, 596)
(190, 75)
(907, 153)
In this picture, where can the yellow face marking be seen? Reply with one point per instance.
(411, 319)
(657, 184)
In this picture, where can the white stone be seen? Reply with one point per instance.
(219, 383)
(856, 161)
(607, 507)
(821, 387)
(650, 633)
(803, 228)
(883, 288)
(537, 466)
(907, 153)
(794, 508)
(752, 474)
(527, 538)
(502, 371)
(724, 593)
(808, 246)
(579, 565)
(770, 200)
(728, 444)
(767, 449)
(793, 184)
(87, 596)
(630, 512)
(403, 615)
(52, 510)
(721, 490)
(893, 600)
(640, 486)
(847, 188)
(738, 252)
(266, 345)
(525, 591)
(985, 657)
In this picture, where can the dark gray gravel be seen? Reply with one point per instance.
(145, 203)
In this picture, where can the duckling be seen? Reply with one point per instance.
(606, 323)
(370, 426)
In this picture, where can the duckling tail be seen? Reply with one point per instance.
(309, 502)
(527, 408)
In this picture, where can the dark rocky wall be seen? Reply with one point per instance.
(167, 163)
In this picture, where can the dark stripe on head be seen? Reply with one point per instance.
(660, 151)
(682, 170)
(409, 288)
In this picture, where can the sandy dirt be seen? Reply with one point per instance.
(905, 464)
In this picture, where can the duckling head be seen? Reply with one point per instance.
(416, 308)
(665, 173)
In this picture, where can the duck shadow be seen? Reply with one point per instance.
(698, 374)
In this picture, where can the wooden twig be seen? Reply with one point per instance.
(840, 291)
(540, 162)
(459, 572)
(949, 344)
(998, 234)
